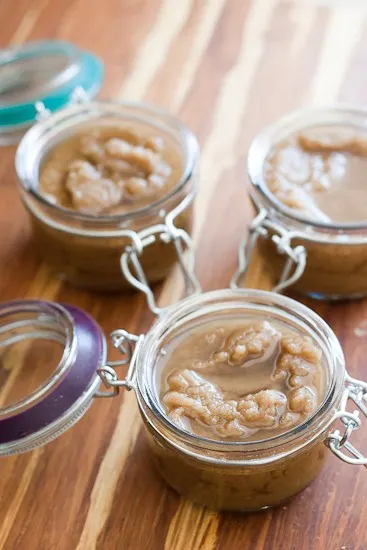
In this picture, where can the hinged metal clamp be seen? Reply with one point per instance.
(128, 344)
(167, 233)
(337, 441)
(265, 228)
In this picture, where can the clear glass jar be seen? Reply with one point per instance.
(86, 250)
(227, 475)
(324, 260)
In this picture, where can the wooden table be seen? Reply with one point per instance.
(226, 67)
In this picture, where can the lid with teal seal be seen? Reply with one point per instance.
(42, 75)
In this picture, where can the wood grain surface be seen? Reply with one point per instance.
(226, 67)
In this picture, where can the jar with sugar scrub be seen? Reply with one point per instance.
(243, 394)
(307, 182)
(97, 177)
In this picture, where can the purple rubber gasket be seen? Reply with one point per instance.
(90, 341)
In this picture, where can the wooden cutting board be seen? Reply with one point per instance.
(226, 67)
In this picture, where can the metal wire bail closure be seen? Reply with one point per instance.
(128, 344)
(338, 442)
(167, 232)
(262, 226)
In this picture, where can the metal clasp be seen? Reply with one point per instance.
(337, 441)
(262, 226)
(128, 344)
(167, 232)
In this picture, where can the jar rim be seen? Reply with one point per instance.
(264, 141)
(26, 172)
(264, 300)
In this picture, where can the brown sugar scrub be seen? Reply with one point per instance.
(241, 383)
(93, 176)
(321, 173)
(307, 179)
(109, 170)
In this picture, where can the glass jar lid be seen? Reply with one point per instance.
(42, 76)
(49, 360)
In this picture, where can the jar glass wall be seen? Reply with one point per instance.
(85, 249)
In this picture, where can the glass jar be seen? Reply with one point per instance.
(86, 250)
(223, 475)
(323, 260)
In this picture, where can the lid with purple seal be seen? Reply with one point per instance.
(50, 356)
